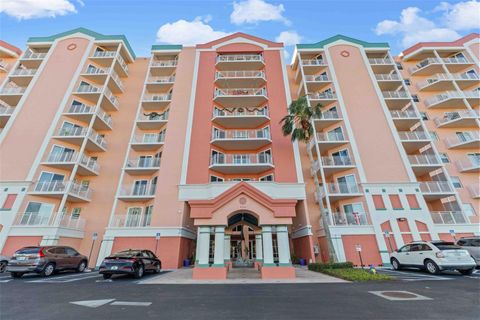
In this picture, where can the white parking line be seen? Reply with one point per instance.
(130, 303)
(68, 278)
(5, 281)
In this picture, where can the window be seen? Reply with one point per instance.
(424, 116)
(140, 187)
(61, 154)
(405, 248)
(444, 158)
(456, 182)
(76, 213)
(355, 214)
(147, 217)
(133, 217)
(341, 158)
(335, 134)
(265, 156)
(9, 201)
(70, 129)
(464, 136)
(407, 82)
(378, 202)
(71, 252)
(267, 178)
(395, 201)
(415, 98)
(468, 209)
(413, 202)
(50, 182)
(474, 159)
(433, 135)
(347, 184)
(216, 179)
(399, 66)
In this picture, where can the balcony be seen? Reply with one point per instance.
(105, 54)
(148, 141)
(322, 97)
(340, 191)
(160, 84)
(22, 77)
(457, 119)
(438, 82)
(5, 113)
(427, 67)
(88, 166)
(11, 95)
(456, 64)
(327, 119)
(343, 219)
(241, 139)
(335, 164)
(413, 140)
(465, 140)
(116, 84)
(241, 163)
(434, 190)
(72, 135)
(473, 97)
(449, 99)
(466, 80)
(162, 67)
(121, 66)
(152, 121)
(449, 217)
(110, 101)
(156, 101)
(97, 75)
(137, 192)
(142, 166)
(396, 99)
(239, 62)
(382, 65)
(240, 79)
(424, 163)
(96, 142)
(317, 82)
(126, 221)
(84, 113)
(240, 97)
(56, 189)
(31, 59)
(388, 81)
(35, 219)
(242, 117)
(64, 161)
(86, 91)
(330, 140)
(468, 166)
(474, 191)
(404, 120)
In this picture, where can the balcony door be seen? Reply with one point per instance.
(37, 213)
(140, 187)
(347, 184)
(241, 159)
(50, 182)
(335, 134)
(464, 136)
(355, 214)
(134, 216)
(265, 156)
(341, 158)
(61, 154)
(145, 161)
(70, 129)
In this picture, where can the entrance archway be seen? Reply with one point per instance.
(244, 239)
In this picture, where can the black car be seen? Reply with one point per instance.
(134, 262)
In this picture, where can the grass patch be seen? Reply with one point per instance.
(352, 274)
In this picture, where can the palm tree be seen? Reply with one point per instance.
(298, 123)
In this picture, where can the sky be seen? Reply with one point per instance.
(401, 23)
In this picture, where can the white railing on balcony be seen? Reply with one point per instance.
(240, 92)
(333, 161)
(64, 157)
(157, 97)
(73, 188)
(387, 77)
(97, 70)
(3, 65)
(380, 61)
(239, 58)
(239, 74)
(5, 110)
(240, 159)
(51, 220)
(24, 72)
(455, 60)
(138, 190)
(87, 88)
(422, 64)
(449, 217)
(130, 221)
(241, 112)
(104, 54)
(81, 109)
(12, 90)
(322, 96)
(465, 76)
(395, 94)
(436, 187)
(90, 163)
(111, 97)
(348, 219)
(170, 79)
(435, 78)
(474, 190)
(341, 188)
(424, 159)
(455, 116)
(163, 63)
(467, 137)
(313, 62)
(104, 116)
(117, 80)
(472, 94)
(318, 78)
(328, 115)
(122, 62)
(149, 138)
(72, 132)
(240, 134)
(413, 135)
(33, 55)
(330, 136)
(71, 222)
(98, 139)
(153, 116)
(442, 97)
(406, 114)
(468, 164)
(143, 163)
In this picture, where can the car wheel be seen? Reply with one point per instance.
(3, 266)
(466, 272)
(432, 267)
(395, 264)
(16, 274)
(81, 267)
(157, 268)
(107, 276)
(48, 270)
(139, 272)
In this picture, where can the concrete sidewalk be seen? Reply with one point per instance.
(184, 276)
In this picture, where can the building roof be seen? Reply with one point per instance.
(240, 35)
(166, 47)
(325, 42)
(9, 49)
(456, 43)
(96, 35)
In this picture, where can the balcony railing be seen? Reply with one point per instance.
(422, 64)
(51, 220)
(130, 221)
(153, 116)
(73, 188)
(437, 77)
(240, 112)
(5, 110)
(349, 219)
(472, 94)
(406, 114)
(455, 60)
(467, 165)
(443, 97)
(86, 88)
(395, 95)
(240, 92)
(322, 96)
(149, 138)
(72, 132)
(380, 61)
(117, 80)
(436, 187)
(413, 135)
(318, 78)
(90, 163)
(170, 79)
(143, 163)
(341, 188)
(98, 139)
(34, 55)
(466, 137)
(92, 71)
(424, 159)
(138, 190)
(163, 63)
(314, 62)
(110, 96)
(122, 62)
(465, 76)
(239, 74)
(455, 116)
(239, 58)
(240, 159)
(328, 115)
(330, 136)
(240, 134)
(387, 77)
(64, 157)
(449, 217)
(474, 191)
(12, 90)
(24, 72)
(157, 97)
(104, 54)
(333, 161)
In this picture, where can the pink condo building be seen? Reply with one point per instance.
(182, 152)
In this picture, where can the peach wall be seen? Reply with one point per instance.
(72, 242)
(277, 272)
(390, 242)
(323, 244)
(379, 155)
(370, 252)
(303, 248)
(407, 238)
(448, 237)
(14, 243)
(39, 108)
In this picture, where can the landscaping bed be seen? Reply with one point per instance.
(346, 271)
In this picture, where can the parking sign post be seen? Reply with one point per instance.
(387, 235)
(358, 247)
(157, 238)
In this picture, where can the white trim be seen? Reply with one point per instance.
(239, 40)
(166, 232)
(302, 232)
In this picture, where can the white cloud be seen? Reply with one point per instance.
(254, 11)
(289, 38)
(462, 15)
(30, 9)
(414, 28)
(189, 32)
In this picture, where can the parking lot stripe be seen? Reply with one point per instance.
(129, 303)
(69, 278)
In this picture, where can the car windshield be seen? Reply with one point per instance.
(126, 253)
(446, 246)
(28, 250)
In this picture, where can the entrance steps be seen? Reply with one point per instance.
(243, 273)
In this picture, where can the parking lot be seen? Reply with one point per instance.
(419, 275)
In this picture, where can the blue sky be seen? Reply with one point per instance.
(399, 22)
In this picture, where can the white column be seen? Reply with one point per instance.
(105, 249)
(267, 245)
(258, 247)
(219, 246)
(283, 245)
(203, 244)
(226, 251)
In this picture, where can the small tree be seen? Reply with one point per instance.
(299, 124)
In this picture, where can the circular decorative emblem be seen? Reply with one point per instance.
(345, 53)
(72, 46)
(242, 201)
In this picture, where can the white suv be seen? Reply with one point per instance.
(433, 256)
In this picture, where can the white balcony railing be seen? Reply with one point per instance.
(117, 80)
(406, 114)
(67, 221)
(130, 221)
(380, 61)
(468, 164)
(122, 62)
(104, 54)
(157, 97)
(341, 188)
(111, 97)
(449, 217)
(349, 219)
(240, 112)
(424, 159)
(435, 78)
(239, 74)
(95, 71)
(474, 191)
(388, 77)
(241, 92)
(328, 115)
(317, 78)
(333, 161)
(64, 157)
(239, 58)
(465, 76)
(98, 139)
(24, 72)
(149, 138)
(422, 64)
(86, 88)
(12, 90)
(466, 137)
(455, 116)
(86, 109)
(138, 190)
(240, 159)
(143, 163)
(5, 110)
(475, 94)
(55, 187)
(413, 135)
(330, 136)
(152, 79)
(163, 63)
(443, 97)
(153, 116)
(313, 62)
(322, 96)
(395, 94)
(455, 60)
(436, 187)
(72, 132)
(30, 55)
(90, 163)
(240, 134)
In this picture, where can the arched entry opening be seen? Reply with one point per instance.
(244, 237)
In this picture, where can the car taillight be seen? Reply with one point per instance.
(40, 253)
(440, 255)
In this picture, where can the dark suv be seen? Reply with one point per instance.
(45, 261)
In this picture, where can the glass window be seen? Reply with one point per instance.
(405, 248)
(76, 213)
(133, 217)
(147, 217)
(424, 115)
(399, 66)
(468, 209)
(456, 182)
(71, 252)
(444, 158)
(215, 179)
(267, 178)
(433, 135)
(407, 82)
(59, 250)
(415, 98)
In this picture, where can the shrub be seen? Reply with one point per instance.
(322, 266)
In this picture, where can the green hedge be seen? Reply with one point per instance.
(322, 266)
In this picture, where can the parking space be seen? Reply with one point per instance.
(419, 275)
